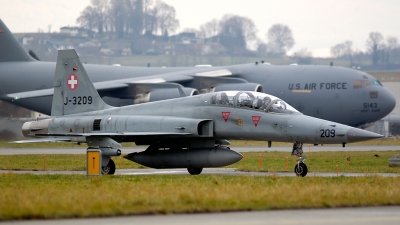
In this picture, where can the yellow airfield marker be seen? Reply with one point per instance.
(93, 157)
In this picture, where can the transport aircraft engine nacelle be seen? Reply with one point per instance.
(238, 87)
(191, 158)
(164, 94)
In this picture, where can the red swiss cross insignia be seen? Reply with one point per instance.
(72, 82)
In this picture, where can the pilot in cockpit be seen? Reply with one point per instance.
(278, 107)
(265, 103)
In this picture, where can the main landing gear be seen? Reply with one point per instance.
(109, 169)
(301, 168)
(194, 171)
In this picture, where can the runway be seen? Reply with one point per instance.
(306, 148)
(208, 171)
(386, 215)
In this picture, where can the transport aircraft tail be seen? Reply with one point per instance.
(74, 92)
(10, 48)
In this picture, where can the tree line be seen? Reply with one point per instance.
(238, 34)
(154, 17)
(381, 52)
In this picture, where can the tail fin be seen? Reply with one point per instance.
(73, 90)
(11, 49)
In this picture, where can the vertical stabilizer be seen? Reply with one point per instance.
(10, 48)
(73, 90)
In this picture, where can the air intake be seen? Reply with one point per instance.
(96, 124)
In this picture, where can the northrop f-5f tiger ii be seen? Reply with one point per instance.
(188, 132)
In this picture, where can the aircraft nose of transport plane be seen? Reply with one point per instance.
(389, 102)
(355, 135)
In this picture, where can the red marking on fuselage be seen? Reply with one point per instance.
(256, 119)
(225, 115)
(83, 130)
(1, 31)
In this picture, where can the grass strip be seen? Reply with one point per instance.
(360, 162)
(71, 196)
(56, 162)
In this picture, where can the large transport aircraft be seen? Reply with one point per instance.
(188, 132)
(333, 93)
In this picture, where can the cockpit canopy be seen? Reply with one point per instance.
(252, 100)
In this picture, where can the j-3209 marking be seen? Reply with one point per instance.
(79, 100)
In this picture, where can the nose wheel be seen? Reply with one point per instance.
(300, 169)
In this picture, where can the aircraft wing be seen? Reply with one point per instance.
(71, 137)
(115, 134)
(51, 139)
(154, 80)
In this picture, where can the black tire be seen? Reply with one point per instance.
(109, 169)
(301, 170)
(194, 171)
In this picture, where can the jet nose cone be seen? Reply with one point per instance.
(389, 102)
(355, 135)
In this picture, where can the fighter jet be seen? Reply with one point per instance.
(333, 93)
(188, 132)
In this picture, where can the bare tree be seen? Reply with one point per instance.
(137, 17)
(338, 50)
(280, 38)
(166, 18)
(236, 32)
(303, 56)
(344, 49)
(262, 49)
(209, 29)
(392, 49)
(94, 17)
(373, 44)
(148, 19)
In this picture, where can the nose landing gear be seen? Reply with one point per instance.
(301, 168)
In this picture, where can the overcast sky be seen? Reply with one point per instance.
(316, 24)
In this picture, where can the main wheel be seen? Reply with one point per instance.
(301, 169)
(195, 171)
(109, 169)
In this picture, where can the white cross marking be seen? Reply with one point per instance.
(72, 82)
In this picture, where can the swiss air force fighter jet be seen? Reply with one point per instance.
(188, 132)
(337, 94)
